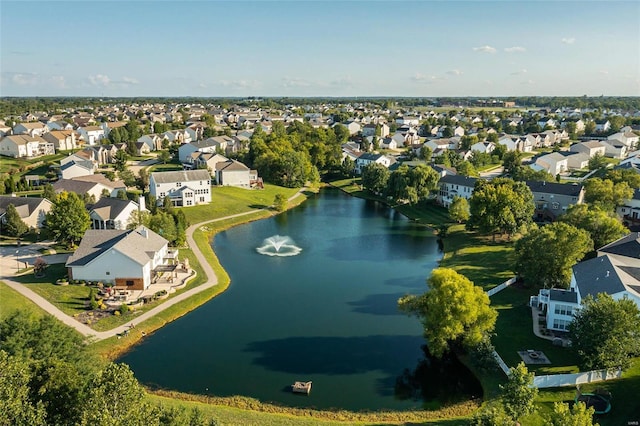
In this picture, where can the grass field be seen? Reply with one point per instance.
(12, 301)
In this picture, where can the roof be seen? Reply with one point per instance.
(459, 180)
(77, 186)
(110, 208)
(570, 189)
(597, 276)
(25, 205)
(180, 176)
(131, 243)
(102, 179)
(563, 295)
(34, 125)
(628, 246)
(24, 139)
(231, 166)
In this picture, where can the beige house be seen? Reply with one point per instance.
(65, 140)
(18, 146)
(32, 210)
(234, 173)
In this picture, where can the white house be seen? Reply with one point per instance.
(114, 213)
(630, 139)
(92, 135)
(153, 141)
(32, 210)
(65, 140)
(613, 271)
(451, 186)
(32, 129)
(130, 259)
(366, 158)
(25, 146)
(73, 168)
(184, 188)
(484, 147)
(553, 163)
(234, 173)
(577, 160)
(615, 148)
(591, 148)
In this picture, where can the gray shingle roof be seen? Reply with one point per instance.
(570, 189)
(459, 180)
(563, 295)
(628, 246)
(180, 176)
(110, 208)
(597, 276)
(22, 204)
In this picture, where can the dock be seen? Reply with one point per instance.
(301, 387)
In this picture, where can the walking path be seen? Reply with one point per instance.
(94, 335)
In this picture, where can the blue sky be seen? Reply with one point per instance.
(319, 48)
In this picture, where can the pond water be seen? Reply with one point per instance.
(327, 313)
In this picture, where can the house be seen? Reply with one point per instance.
(32, 129)
(450, 186)
(93, 185)
(387, 143)
(64, 140)
(628, 138)
(177, 136)
(367, 158)
(130, 259)
(114, 213)
(91, 135)
(483, 147)
(19, 146)
(615, 148)
(59, 125)
(352, 126)
(108, 126)
(629, 211)
(183, 188)
(234, 173)
(211, 145)
(76, 167)
(547, 122)
(370, 130)
(614, 271)
(511, 144)
(32, 210)
(591, 148)
(554, 163)
(552, 199)
(603, 125)
(576, 160)
(153, 142)
(206, 160)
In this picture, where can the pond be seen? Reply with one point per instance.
(326, 313)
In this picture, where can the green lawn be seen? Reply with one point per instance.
(12, 301)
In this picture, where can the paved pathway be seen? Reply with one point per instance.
(85, 330)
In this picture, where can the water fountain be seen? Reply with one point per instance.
(278, 245)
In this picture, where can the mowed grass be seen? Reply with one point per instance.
(226, 201)
(12, 301)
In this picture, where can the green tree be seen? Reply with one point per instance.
(512, 161)
(606, 194)
(571, 128)
(68, 219)
(164, 156)
(13, 224)
(375, 178)
(624, 175)
(555, 248)
(459, 209)
(348, 166)
(49, 193)
(454, 313)
(466, 168)
(578, 415)
(142, 182)
(280, 202)
(163, 224)
(15, 405)
(426, 153)
(518, 394)
(603, 227)
(500, 205)
(491, 415)
(114, 397)
(127, 177)
(597, 162)
(605, 333)
(120, 160)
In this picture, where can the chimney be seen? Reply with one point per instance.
(141, 203)
(144, 232)
(607, 274)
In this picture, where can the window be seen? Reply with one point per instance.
(189, 202)
(129, 283)
(555, 206)
(178, 184)
(559, 324)
(108, 273)
(157, 185)
(563, 310)
(162, 194)
(202, 199)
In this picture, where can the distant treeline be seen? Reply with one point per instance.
(11, 106)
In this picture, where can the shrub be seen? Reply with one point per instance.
(123, 308)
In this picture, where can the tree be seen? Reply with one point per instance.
(163, 224)
(578, 415)
(511, 161)
(491, 415)
(624, 175)
(127, 177)
(14, 226)
(68, 219)
(120, 160)
(605, 332)
(466, 168)
(138, 218)
(15, 405)
(459, 209)
(347, 167)
(426, 153)
(453, 312)
(164, 156)
(375, 177)
(603, 227)
(114, 397)
(49, 193)
(597, 162)
(606, 194)
(500, 205)
(280, 202)
(518, 394)
(545, 256)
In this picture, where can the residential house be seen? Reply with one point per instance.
(195, 131)
(614, 271)
(59, 125)
(552, 199)
(207, 160)
(32, 210)
(210, 145)
(183, 188)
(91, 135)
(64, 140)
(615, 148)
(129, 259)
(451, 186)
(153, 142)
(629, 211)
(108, 126)
(370, 130)
(483, 147)
(603, 125)
(353, 127)
(576, 160)
(177, 136)
(114, 213)
(93, 185)
(75, 166)
(458, 131)
(367, 158)
(234, 173)
(510, 143)
(547, 122)
(554, 163)
(32, 129)
(628, 138)
(591, 148)
(19, 146)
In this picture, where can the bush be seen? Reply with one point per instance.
(116, 313)
(123, 309)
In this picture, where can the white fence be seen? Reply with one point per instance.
(503, 366)
(558, 380)
(501, 286)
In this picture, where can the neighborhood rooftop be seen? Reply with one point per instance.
(180, 176)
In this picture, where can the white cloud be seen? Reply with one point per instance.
(59, 81)
(202, 86)
(99, 80)
(519, 72)
(485, 49)
(342, 82)
(604, 72)
(240, 84)
(129, 80)
(455, 72)
(568, 40)
(515, 49)
(295, 82)
(425, 79)
(25, 79)
(528, 82)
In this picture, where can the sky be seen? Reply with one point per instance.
(319, 48)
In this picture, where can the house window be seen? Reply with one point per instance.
(555, 206)
(157, 185)
(559, 324)
(202, 199)
(563, 310)
(162, 194)
(108, 273)
(129, 283)
(189, 203)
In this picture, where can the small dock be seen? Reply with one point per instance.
(301, 387)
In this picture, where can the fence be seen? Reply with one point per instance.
(501, 287)
(558, 380)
